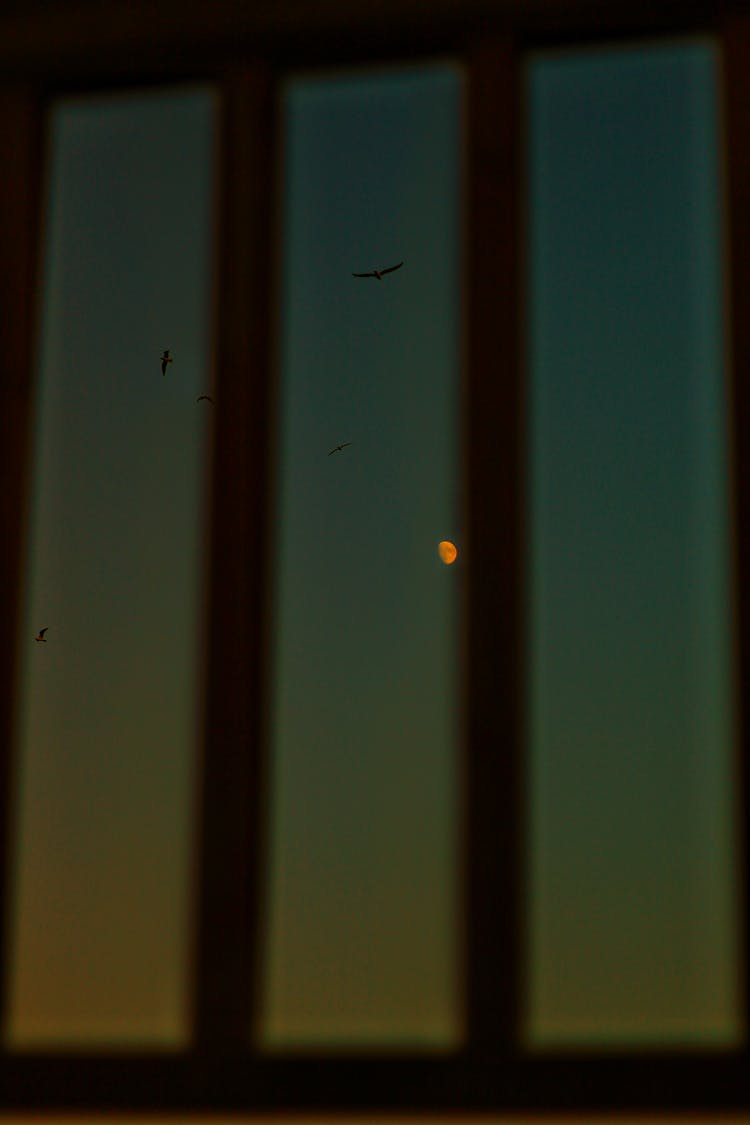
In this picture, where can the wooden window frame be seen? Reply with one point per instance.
(78, 45)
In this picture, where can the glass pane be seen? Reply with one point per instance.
(361, 935)
(633, 916)
(108, 712)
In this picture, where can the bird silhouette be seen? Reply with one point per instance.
(201, 398)
(338, 448)
(165, 359)
(40, 635)
(379, 274)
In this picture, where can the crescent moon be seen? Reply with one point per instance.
(447, 551)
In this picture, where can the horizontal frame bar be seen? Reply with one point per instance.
(390, 1085)
(72, 43)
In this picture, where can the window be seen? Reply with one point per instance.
(364, 794)
(632, 741)
(242, 762)
(107, 719)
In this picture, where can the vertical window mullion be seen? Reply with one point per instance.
(20, 194)
(493, 502)
(232, 780)
(736, 74)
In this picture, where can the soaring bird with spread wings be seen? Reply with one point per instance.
(339, 448)
(40, 635)
(165, 359)
(379, 274)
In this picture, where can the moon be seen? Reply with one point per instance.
(447, 552)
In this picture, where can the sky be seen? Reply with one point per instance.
(632, 914)
(107, 716)
(363, 881)
(362, 899)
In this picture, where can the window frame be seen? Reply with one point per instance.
(247, 55)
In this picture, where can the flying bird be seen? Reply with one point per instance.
(165, 359)
(379, 274)
(207, 398)
(339, 448)
(40, 635)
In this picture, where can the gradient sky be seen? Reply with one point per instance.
(362, 928)
(108, 706)
(632, 909)
(361, 910)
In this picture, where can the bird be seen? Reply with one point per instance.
(339, 448)
(40, 635)
(200, 398)
(165, 359)
(379, 274)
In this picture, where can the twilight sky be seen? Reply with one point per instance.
(361, 915)
(631, 915)
(108, 706)
(361, 932)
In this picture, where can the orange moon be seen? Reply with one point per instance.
(447, 551)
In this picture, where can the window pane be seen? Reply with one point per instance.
(361, 936)
(107, 724)
(633, 921)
